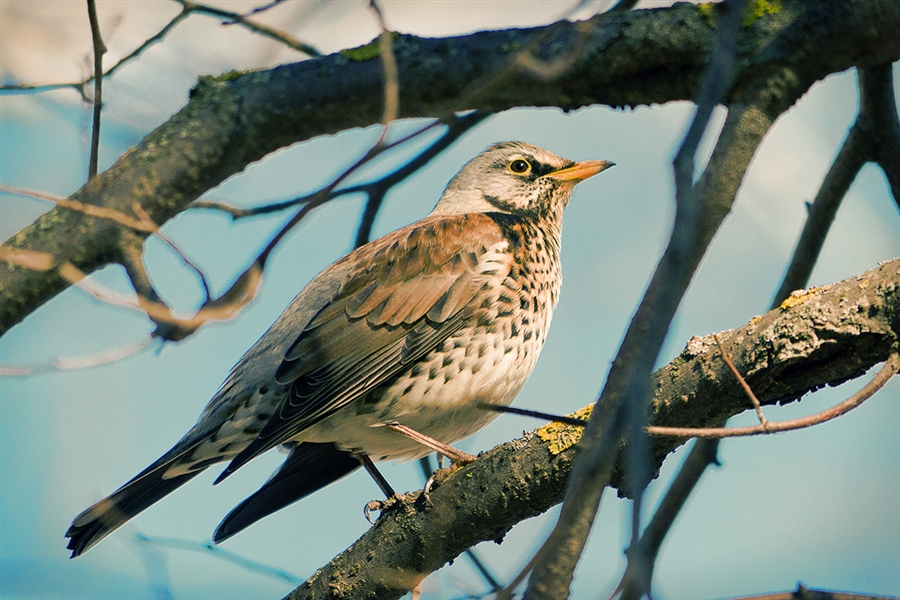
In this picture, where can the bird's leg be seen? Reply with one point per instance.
(386, 488)
(456, 456)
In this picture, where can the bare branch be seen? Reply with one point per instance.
(186, 10)
(217, 552)
(882, 377)
(254, 26)
(99, 51)
(73, 363)
(737, 375)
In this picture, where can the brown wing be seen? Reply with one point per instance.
(406, 293)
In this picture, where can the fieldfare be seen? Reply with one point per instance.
(410, 332)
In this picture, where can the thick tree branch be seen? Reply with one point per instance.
(832, 334)
(639, 57)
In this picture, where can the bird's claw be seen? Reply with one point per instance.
(376, 505)
(380, 506)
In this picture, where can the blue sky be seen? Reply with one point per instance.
(817, 506)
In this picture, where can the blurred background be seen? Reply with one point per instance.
(817, 506)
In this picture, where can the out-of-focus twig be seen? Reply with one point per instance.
(242, 291)
(141, 222)
(875, 136)
(254, 26)
(99, 51)
(219, 553)
(643, 551)
(187, 8)
(391, 73)
(72, 363)
(622, 407)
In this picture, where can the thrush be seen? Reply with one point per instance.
(413, 330)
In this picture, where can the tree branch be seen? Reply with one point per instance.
(835, 334)
(632, 58)
(97, 101)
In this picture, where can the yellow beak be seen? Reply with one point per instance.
(581, 170)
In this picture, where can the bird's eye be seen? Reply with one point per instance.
(519, 166)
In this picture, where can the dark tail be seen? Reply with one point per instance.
(144, 489)
(109, 514)
(308, 468)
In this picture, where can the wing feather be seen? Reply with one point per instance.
(405, 294)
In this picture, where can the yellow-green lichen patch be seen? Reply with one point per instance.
(561, 437)
(367, 52)
(707, 11)
(798, 297)
(758, 9)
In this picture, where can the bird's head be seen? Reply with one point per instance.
(516, 178)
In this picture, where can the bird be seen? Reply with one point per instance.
(410, 332)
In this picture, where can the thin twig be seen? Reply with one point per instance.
(145, 225)
(143, 222)
(223, 308)
(263, 8)
(186, 10)
(142, 214)
(737, 375)
(73, 363)
(389, 63)
(99, 51)
(875, 135)
(887, 371)
(507, 592)
(457, 126)
(254, 26)
(536, 414)
(80, 85)
(220, 553)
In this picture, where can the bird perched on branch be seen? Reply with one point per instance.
(389, 352)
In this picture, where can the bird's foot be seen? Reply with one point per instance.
(440, 476)
(379, 506)
(394, 502)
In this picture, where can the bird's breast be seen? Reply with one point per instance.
(489, 359)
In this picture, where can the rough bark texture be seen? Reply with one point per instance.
(823, 336)
(621, 59)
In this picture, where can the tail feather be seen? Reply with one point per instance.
(308, 468)
(109, 514)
